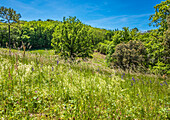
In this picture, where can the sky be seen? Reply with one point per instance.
(107, 14)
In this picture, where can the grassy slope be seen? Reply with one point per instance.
(35, 86)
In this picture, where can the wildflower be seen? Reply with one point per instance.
(133, 79)
(123, 73)
(32, 69)
(52, 68)
(35, 91)
(150, 81)
(57, 62)
(41, 65)
(131, 84)
(122, 77)
(161, 84)
(166, 83)
(137, 94)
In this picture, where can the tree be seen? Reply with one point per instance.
(161, 13)
(9, 16)
(72, 39)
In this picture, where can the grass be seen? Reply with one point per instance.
(43, 86)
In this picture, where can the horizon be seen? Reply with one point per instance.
(104, 14)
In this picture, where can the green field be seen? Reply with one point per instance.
(40, 85)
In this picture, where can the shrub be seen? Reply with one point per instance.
(130, 55)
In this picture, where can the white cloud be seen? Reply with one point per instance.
(119, 21)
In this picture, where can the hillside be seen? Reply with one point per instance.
(43, 86)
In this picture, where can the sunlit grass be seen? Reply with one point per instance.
(42, 86)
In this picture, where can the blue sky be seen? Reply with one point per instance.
(108, 14)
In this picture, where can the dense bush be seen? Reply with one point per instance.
(130, 55)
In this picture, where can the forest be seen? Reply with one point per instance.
(70, 70)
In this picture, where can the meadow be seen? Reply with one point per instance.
(41, 85)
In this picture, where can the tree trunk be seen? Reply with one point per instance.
(9, 40)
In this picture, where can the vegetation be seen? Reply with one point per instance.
(46, 87)
(34, 34)
(121, 74)
(72, 39)
(129, 56)
(162, 11)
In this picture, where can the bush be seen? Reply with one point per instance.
(130, 55)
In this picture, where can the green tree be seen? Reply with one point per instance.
(9, 16)
(73, 39)
(161, 13)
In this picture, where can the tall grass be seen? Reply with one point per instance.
(46, 87)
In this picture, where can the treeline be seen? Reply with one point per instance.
(34, 34)
(113, 43)
(38, 34)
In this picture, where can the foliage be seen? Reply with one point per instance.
(114, 38)
(129, 56)
(157, 47)
(162, 10)
(72, 39)
(104, 47)
(8, 15)
(35, 34)
(98, 35)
